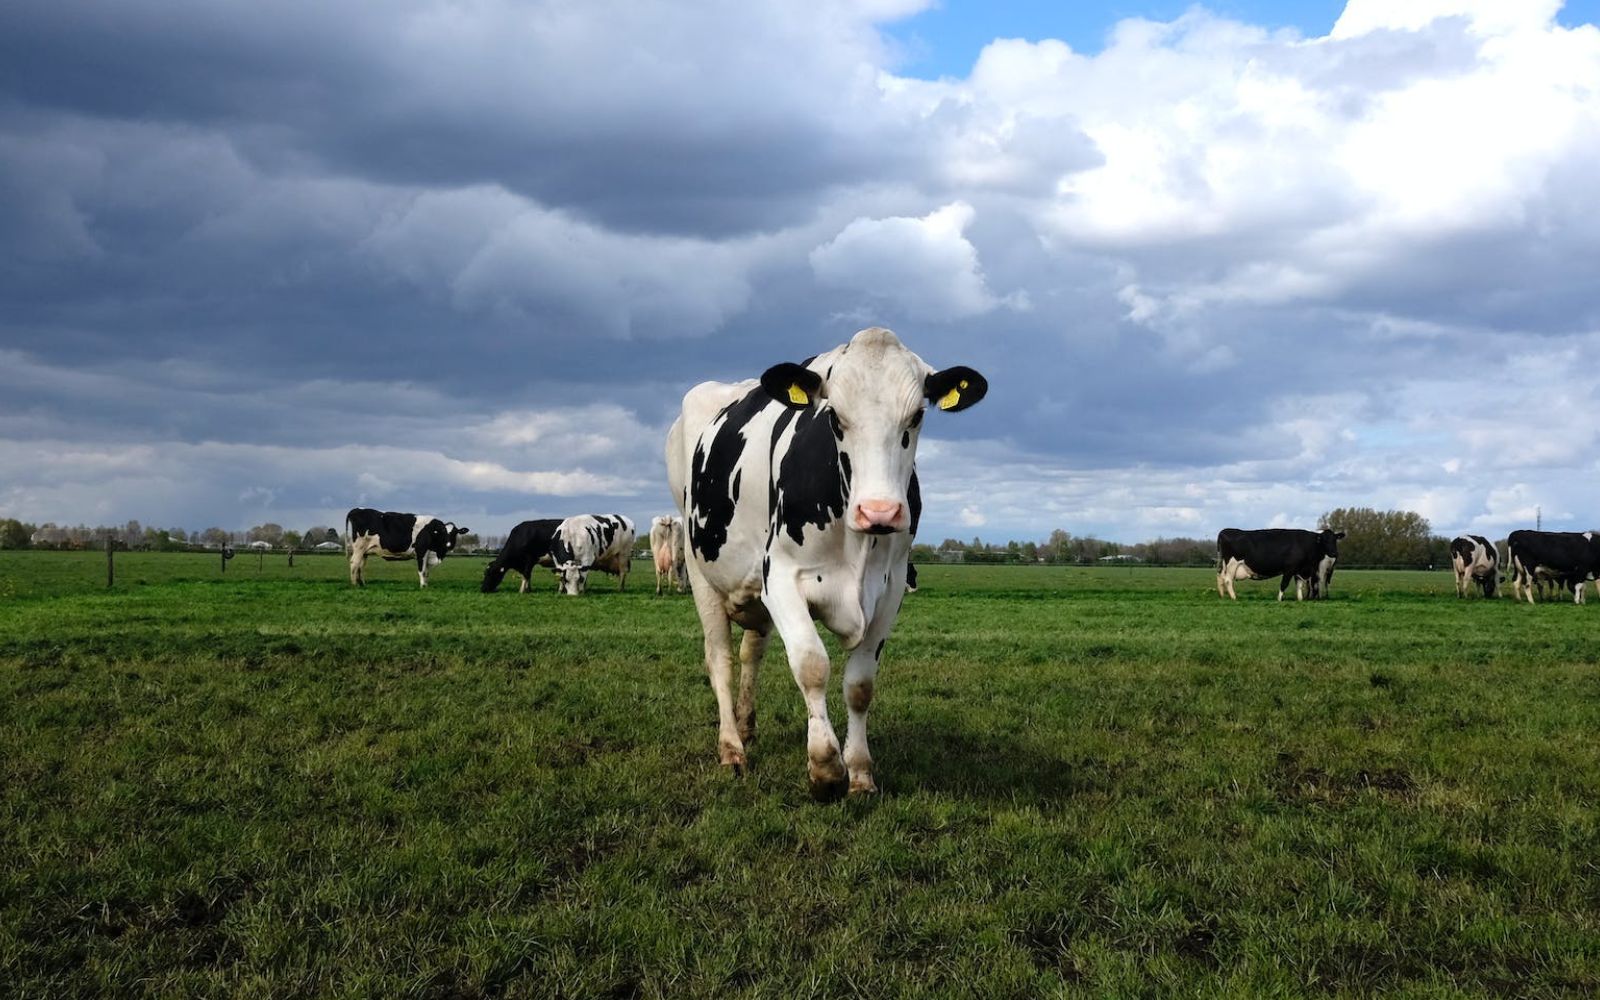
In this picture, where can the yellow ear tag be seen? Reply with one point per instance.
(949, 399)
(798, 396)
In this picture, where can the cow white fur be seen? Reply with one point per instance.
(801, 500)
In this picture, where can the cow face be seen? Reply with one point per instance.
(873, 394)
(572, 578)
(1328, 542)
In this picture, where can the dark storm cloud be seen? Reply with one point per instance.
(638, 116)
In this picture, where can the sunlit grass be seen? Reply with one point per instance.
(1101, 782)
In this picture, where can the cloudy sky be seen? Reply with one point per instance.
(1223, 265)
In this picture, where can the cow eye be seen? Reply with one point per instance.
(916, 420)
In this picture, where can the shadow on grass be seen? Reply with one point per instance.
(940, 757)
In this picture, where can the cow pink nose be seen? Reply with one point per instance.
(877, 513)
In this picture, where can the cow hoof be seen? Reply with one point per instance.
(863, 785)
(828, 789)
(734, 761)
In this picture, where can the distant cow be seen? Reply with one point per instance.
(395, 537)
(591, 542)
(801, 498)
(1474, 559)
(527, 546)
(1562, 557)
(666, 550)
(1306, 557)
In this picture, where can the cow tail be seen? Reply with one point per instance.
(349, 534)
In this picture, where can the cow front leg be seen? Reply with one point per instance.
(860, 678)
(808, 661)
(422, 568)
(357, 558)
(751, 650)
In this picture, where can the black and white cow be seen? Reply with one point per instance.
(527, 546)
(589, 542)
(1474, 559)
(397, 536)
(1306, 557)
(1563, 557)
(800, 494)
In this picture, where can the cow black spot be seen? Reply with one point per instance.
(914, 501)
(714, 481)
(813, 476)
(905, 439)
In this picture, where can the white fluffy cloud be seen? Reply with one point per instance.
(924, 267)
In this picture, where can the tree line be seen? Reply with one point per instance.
(1391, 538)
(1399, 538)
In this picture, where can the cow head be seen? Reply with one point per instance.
(452, 535)
(572, 574)
(572, 578)
(873, 392)
(1328, 542)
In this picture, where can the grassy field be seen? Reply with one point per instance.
(1097, 783)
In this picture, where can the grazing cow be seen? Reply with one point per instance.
(527, 546)
(1567, 558)
(666, 548)
(800, 494)
(397, 536)
(1306, 557)
(589, 542)
(1475, 560)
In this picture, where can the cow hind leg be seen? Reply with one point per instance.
(752, 648)
(357, 558)
(715, 626)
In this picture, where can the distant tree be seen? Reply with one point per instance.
(1057, 545)
(270, 533)
(922, 552)
(1030, 552)
(15, 535)
(291, 540)
(1381, 537)
(214, 537)
(469, 541)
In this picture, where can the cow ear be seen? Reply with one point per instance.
(795, 386)
(1338, 534)
(463, 530)
(954, 388)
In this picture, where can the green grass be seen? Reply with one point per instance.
(1097, 783)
